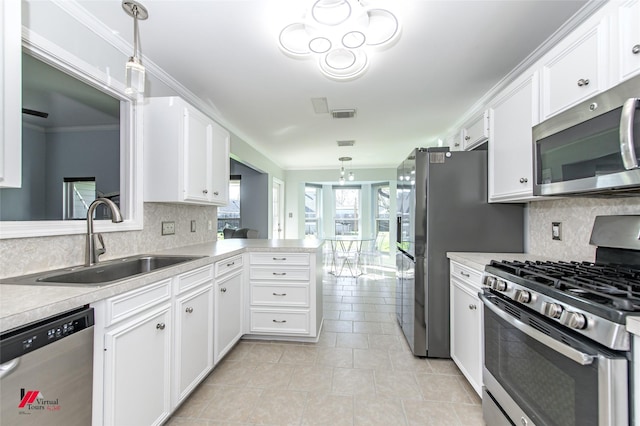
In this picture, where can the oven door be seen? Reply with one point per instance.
(539, 374)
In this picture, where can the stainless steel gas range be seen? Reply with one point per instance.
(555, 343)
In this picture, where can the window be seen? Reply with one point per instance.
(78, 194)
(382, 215)
(229, 215)
(347, 210)
(312, 209)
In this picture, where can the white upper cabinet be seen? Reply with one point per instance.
(576, 69)
(629, 39)
(186, 154)
(10, 98)
(476, 132)
(512, 115)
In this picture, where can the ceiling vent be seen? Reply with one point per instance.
(346, 143)
(343, 113)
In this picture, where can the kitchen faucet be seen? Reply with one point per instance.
(91, 252)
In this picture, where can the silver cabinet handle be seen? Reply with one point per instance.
(279, 258)
(456, 144)
(223, 290)
(524, 180)
(204, 191)
(279, 273)
(464, 274)
(279, 294)
(216, 193)
(160, 326)
(583, 82)
(473, 307)
(466, 138)
(189, 310)
(230, 264)
(627, 148)
(279, 321)
(635, 49)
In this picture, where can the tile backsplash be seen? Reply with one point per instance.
(577, 216)
(27, 255)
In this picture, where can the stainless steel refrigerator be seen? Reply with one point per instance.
(442, 206)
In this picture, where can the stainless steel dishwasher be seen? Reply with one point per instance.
(46, 371)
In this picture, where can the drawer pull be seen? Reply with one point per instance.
(473, 307)
(279, 294)
(204, 191)
(223, 290)
(280, 273)
(464, 274)
(160, 326)
(189, 310)
(583, 82)
(216, 193)
(524, 180)
(635, 49)
(279, 258)
(279, 321)
(230, 264)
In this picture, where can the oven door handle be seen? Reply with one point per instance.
(566, 350)
(627, 149)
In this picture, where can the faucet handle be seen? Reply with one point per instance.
(102, 249)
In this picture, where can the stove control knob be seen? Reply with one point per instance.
(574, 320)
(489, 281)
(499, 285)
(523, 296)
(552, 310)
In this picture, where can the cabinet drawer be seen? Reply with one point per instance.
(228, 265)
(280, 274)
(128, 304)
(279, 321)
(469, 275)
(279, 259)
(194, 278)
(285, 295)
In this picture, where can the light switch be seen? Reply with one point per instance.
(556, 230)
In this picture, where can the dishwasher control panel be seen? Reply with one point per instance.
(18, 342)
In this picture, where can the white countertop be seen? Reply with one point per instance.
(22, 304)
(633, 325)
(479, 260)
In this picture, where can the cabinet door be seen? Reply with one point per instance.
(137, 370)
(510, 142)
(476, 133)
(197, 145)
(193, 341)
(228, 314)
(220, 166)
(576, 72)
(629, 36)
(467, 333)
(10, 101)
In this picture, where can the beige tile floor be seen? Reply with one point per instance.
(360, 372)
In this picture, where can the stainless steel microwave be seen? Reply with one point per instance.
(593, 147)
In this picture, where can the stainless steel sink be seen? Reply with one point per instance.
(104, 272)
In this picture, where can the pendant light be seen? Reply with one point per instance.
(351, 176)
(134, 70)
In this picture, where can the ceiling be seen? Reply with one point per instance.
(449, 54)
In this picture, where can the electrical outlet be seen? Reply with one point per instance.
(556, 230)
(193, 226)
(168, 228)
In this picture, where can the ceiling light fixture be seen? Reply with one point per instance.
(340, 33)
(134, 70)
(351, 176)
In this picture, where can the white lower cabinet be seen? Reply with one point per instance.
(137, 369)
(467, 323)
(153, 345)
(193, 340)
(228, 306)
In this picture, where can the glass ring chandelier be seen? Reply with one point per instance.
(339, 33)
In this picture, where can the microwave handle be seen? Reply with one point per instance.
(627, 148)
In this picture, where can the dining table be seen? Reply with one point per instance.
(346, 254)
